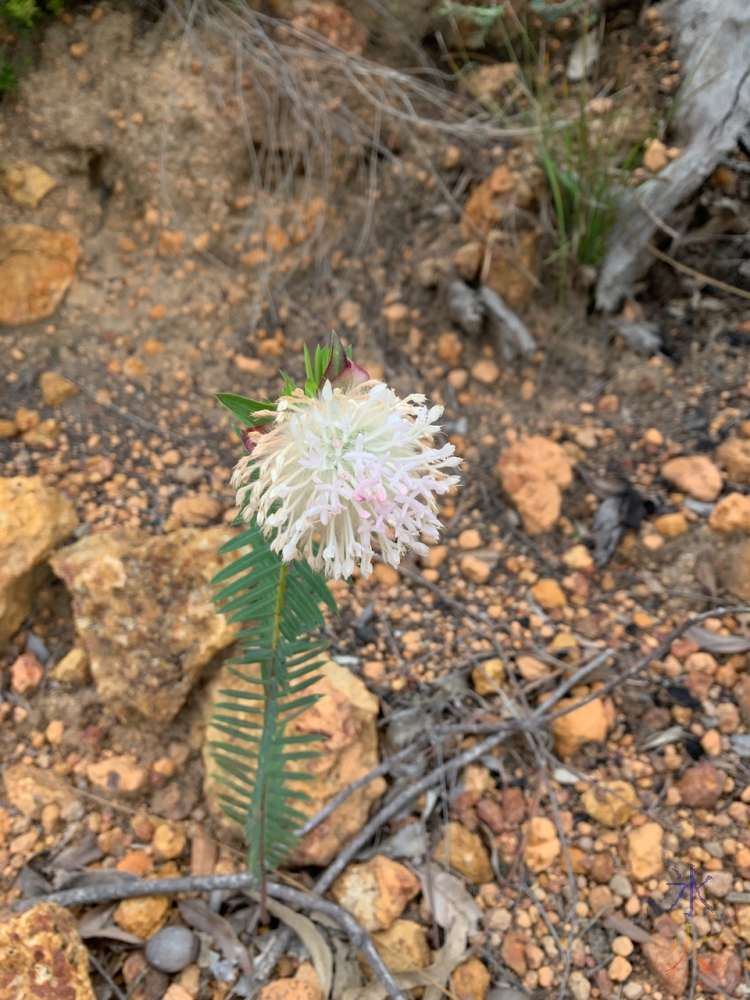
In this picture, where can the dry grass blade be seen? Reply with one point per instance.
(197, 914)
(622, 926)
(314, 116)
(713, 643)
(448, 899)
(310, 936)
(432, 977)
(452, 951)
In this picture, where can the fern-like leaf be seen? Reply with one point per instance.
(278, 605)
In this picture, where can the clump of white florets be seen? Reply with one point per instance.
(353, 469)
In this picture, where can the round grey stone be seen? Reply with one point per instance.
(172, 949)
(621, 886)
(720, 883)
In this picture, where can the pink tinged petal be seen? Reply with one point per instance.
(341, 372)
(351, 376)
(248, 442)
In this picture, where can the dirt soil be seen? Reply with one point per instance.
(191, 283)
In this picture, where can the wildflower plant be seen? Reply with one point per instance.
(333, 473)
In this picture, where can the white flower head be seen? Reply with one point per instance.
(353, 467)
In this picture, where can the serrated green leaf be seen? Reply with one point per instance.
(278, 607)
(245, 538)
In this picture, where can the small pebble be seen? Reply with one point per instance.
(619, 969)
(632, 991)
(622, 946)
(621, 886)
(172, 949)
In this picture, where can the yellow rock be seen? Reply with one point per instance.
(287, 989)
(56, 390)
(513, 265)
(655, 158)
(485, 371)
(622, 945)
(492, 669)
(734, 454)
(532, 669)
(345, 716)
(117, 774)
(542, 844)
(466, 853)
(611, 802)
(306, 974)
(731, 513)
(653, 542)
(645, 857)
(30, 789)
(469, 539)
(25, 183)
(73, 668)
(397, 317)
(36, 269)
(403, 946)
(176, 991)
(144, 612)
(565, 646)
(376, 893)
(471, 980)
(477, 780)
(505, 190)
(468, 259)
(170, 242)
(436, 556)
(475, 569)
(450, 348)
(695, 475)
(489, 81)
(580, 861)
(33, 520)
(196, 510)
(579, 558)
(142, 916)
(671, 525)
(711, 742)
(168, 841)
(43, 956)
(533, 472)
(548, 594)
(385, 575)
(619, 969)
(588, 724)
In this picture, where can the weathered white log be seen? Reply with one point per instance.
(712, 41)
